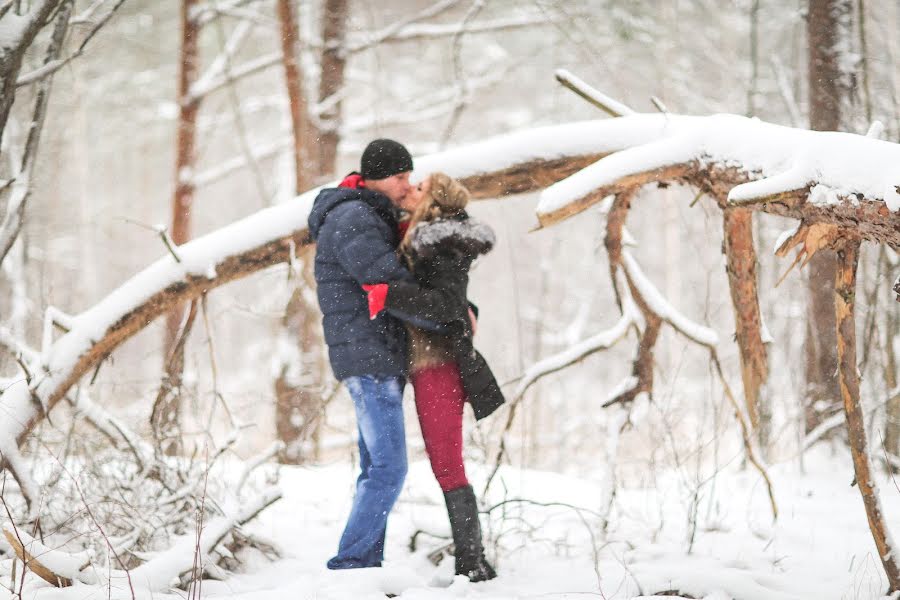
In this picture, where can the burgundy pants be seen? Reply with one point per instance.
(439, 404)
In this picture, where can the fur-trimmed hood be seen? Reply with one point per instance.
(464, 234)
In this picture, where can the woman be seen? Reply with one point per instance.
(445, 369)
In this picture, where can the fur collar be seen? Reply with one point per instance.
(469, 236)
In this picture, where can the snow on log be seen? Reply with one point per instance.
(748, 162)
(515, 163)
(518, 162)
(53, 566)
(158, 573)
(557, 144)
(258, 241)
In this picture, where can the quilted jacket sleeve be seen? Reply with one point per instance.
(441, 300)
(363, 245)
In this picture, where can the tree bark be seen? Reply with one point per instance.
(643, 363)
(828, 88)
(12, 52)
(296, 96)
(891, 367)
(11, 224)
(844, 310)
(741, 266)
(331, 82)
(299, 402)
(868, 220)
(185, 162)
(299, 389)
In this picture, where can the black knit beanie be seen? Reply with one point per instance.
(383, 158)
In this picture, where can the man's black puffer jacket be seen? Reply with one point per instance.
(440, 254)
(356, 235)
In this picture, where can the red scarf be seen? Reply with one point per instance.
(354, 180)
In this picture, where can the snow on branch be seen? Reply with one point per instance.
(52, 66)
(110, 426)
(219, 66)
(258, 241)
(53, 566)
(514, 163)
(663, 308)
(12, 459)
(747, 162)
(431, 31)
(158, 573)
(226, 167)
(207, 86)
(566, 142)
(601, 341)
(519, 162)
(432, 11)
(613, 107)
(18, 31)
(205, 13)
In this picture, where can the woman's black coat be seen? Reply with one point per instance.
(440, 254)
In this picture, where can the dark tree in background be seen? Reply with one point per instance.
(828, 31)
(167, 408)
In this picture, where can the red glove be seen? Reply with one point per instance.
(377, 294)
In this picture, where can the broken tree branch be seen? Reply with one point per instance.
(844, 307)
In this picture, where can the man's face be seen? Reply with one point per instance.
(396, 188)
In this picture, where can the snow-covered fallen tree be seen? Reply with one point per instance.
(843, 188)
(745, 164)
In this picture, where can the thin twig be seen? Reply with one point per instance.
(612, 107)
(745, 433)
(55, 65)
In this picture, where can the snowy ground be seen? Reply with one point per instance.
(819, 548)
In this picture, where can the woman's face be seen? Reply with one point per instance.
(416, 195)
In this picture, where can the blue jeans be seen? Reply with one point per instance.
(382, 459)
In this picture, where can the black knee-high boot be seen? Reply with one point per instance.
(463, 511)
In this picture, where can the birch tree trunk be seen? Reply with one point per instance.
(828, 88)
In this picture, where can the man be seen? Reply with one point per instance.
(356, 230)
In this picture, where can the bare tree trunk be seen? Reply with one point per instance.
(844, 308)
(12, 52)
(742, 278)
(299, 401)
(331, 81)
(11, 224)
(753, 88)
(296, 96)
(828, 87)
(299, 389)
(164, 418)
(169, 399)
(892, 426)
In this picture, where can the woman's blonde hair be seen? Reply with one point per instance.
(447, 197)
